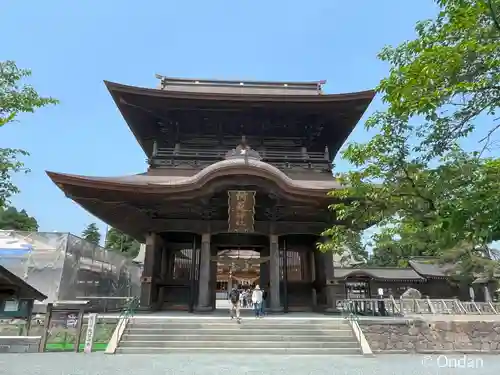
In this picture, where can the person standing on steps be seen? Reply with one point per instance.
(264, 300)
(244, 298)
(234, 300)
(257, 301)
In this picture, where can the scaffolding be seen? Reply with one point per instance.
(67, 267)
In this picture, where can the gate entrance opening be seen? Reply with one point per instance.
(239, 268)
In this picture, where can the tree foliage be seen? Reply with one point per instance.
(119, 241)
(12, 219)
(9, 164)
(91, 234)
(428, 196)
(448, 75)
(15, 98)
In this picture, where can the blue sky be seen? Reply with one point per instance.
(71, 47)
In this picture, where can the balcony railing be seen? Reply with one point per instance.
(202, 156)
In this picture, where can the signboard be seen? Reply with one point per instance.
(241, 211)
(11, 305)
(472, 294)
(89, 336)
(71, 321)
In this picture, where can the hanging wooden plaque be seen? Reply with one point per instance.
(241, 211)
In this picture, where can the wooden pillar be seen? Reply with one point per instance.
(264, 270)
(29, 310)
(194, 274)
(314, 300)
(320, 278)
(285, 275)
(330, 293)
(79, 325)
(46, 327)
(274, 273)
(165, 263)
(149, 290)
(164, 276)
(204, 290)
(213, 279)
(334, 290)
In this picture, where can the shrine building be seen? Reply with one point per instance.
(235, 189)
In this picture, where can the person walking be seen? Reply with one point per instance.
(234, 300)
(257, 301)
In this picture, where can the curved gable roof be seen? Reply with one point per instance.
(226, 168)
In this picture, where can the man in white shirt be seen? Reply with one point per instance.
(257, 301)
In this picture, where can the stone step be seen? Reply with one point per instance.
(258, 336)
(272, 321)
(237, 344)
(243, 350)
(244, 324)
(268, 320)
(238, 338)
(239, 330)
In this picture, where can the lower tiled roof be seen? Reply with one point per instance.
(25, 290)
(428, 267)
(379, 273)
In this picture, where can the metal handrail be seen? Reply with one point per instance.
(121, 325)
(131, 307)
(128, 312)
(353, 320)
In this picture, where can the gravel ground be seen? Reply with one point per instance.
(101, 364)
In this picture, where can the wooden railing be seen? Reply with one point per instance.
(213, 155)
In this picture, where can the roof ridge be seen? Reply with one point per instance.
(240, 82)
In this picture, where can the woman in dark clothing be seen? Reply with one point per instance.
(264, 298)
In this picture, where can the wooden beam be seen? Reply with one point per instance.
(221, 226)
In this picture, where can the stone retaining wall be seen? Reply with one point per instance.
(418, 336)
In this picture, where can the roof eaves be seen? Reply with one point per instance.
(324, 98)
(17, 281)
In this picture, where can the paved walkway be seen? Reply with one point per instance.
(134, 364)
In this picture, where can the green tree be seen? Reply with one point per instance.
(15, 98)
(428, 196)
(91, 234)
(448, 75)
(12, 219)
(119, 241)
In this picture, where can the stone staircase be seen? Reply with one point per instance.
(272, 335)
